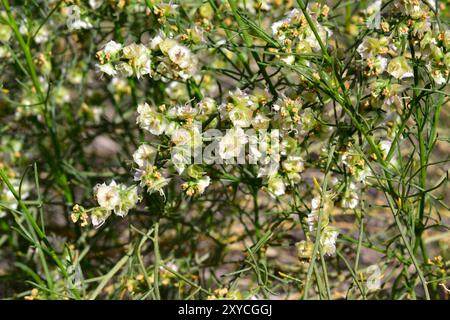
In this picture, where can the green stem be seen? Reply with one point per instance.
(248, 42)
(47, 116)
(318, 230)
(157, 260)
(35, 230)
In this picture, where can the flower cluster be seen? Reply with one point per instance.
(296, 36)
(164, 58)
(113, 197)
(125, 61)
(231, 129)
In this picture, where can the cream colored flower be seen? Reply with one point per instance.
(350, 199)
(151, 178)
(138, 58)
(231, 145)
(112, 48)
(180, 55)
(207, 106)
(5, 33)
(181, 157)
(319, 203)
(241, 116)
(203, 183)
(293, 166)
(99, 216)
(123, 69)
(144, 154)
(399, 68)
(328, 239)
(151, 120)
(107, 195)
(276, 185)
(289, 60)
(128, 200)
(260, 122)
(107, 68)
(372, 46)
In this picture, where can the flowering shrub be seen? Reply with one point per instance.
(224, 149)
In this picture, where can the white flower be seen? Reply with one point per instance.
(95, 4)
(311, 38)
(371, 46)
(107, 68)
(185, 111)
(293, 165)
(373, 13)
(112, 47)
(138, 58)
(362, 174)
(99, 216)
(128, 199)
(117, 197)
(328, 240)
(150, 177)
(80, 24)
(189, 136)
(260, 122)
(241, 116)
(166, 44)
(374, 279)
(42, 35)
(151, 120)
(74, 22)
(203, 183)
(276, 32)
(154, 44)
(385, 146)
(181, 136)
(379, 64)
(207, 106)
(232, 143)
(316, 204)
(438, 77)
(399, 68)
(181, 156)
(180, 55)
(350, 199)
(289, 60)
(268, 170)
(276, 185)
(107, 195)
(124, 69)
(7, 197)
(144, 154)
